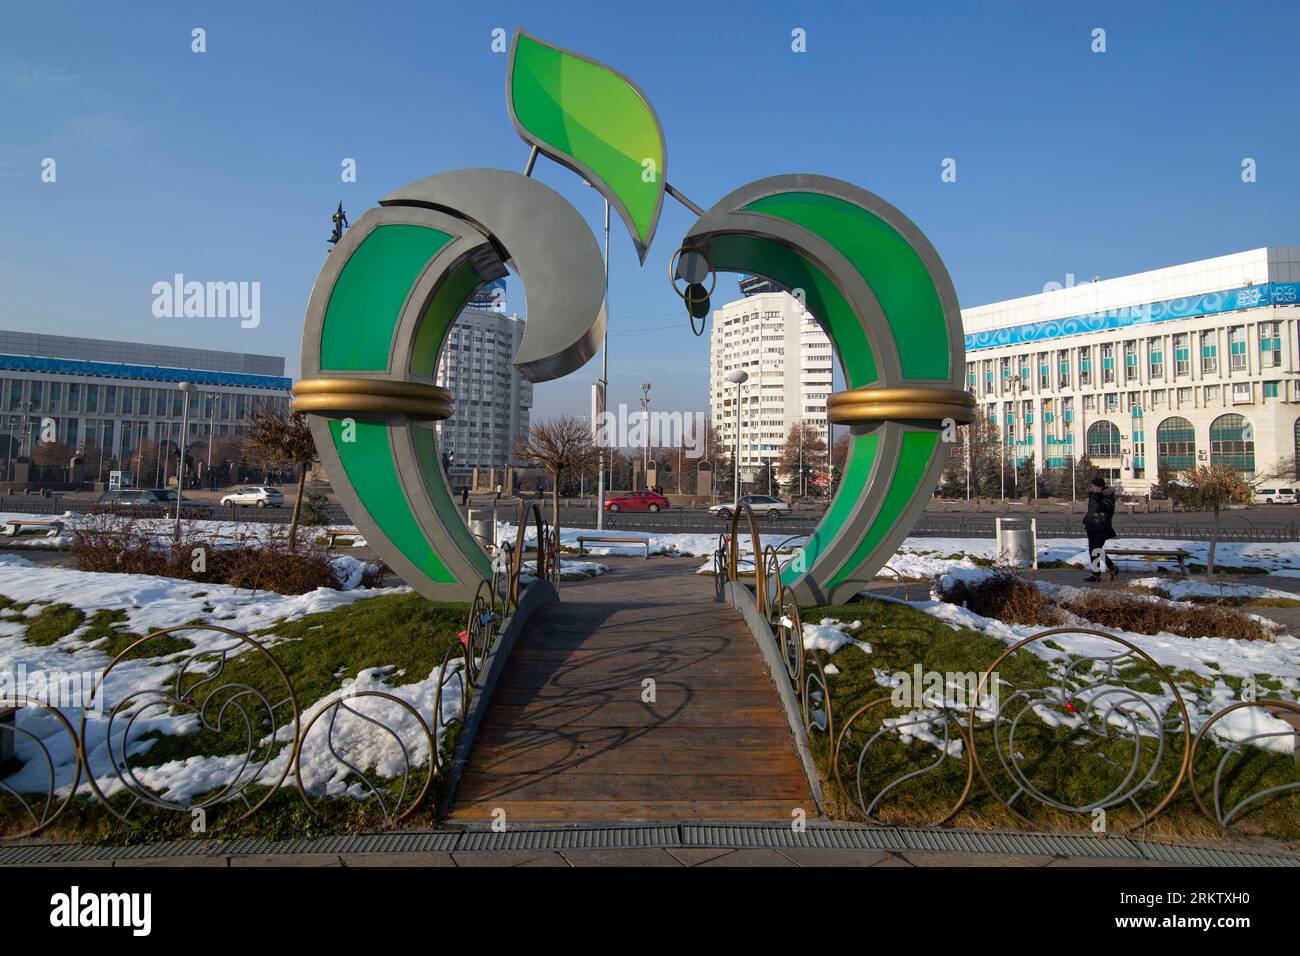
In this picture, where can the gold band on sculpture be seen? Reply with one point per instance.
(370, 396)
(858, 406)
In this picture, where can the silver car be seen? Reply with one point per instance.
(761, 505)
(254, 495)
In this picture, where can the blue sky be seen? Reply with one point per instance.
(225, 165)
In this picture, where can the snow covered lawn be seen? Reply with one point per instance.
(327, 640)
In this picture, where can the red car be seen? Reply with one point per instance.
(637, 501)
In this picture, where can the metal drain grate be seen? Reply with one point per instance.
(830, 836)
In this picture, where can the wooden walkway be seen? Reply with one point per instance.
(568, 737)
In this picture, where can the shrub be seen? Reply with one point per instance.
(315, 508)
(1006, 597)
(124, 545)
(1003, 596)
(1143, 615)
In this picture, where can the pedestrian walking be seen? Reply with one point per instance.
(1099, 525)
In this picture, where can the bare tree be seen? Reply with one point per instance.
(804, 450)
(1212, 487)
(285, 438)
(560, 446)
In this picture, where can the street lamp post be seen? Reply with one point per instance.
(185, 387)
(739, 377)
(645, 433)
(212, 431)
(604, 385)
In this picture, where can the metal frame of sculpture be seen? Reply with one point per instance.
(385, 300)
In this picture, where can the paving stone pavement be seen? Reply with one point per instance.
(634, 857)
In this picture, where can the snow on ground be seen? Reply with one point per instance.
(1198, 588)
(152, 603)
(830, 635)
(217, 531)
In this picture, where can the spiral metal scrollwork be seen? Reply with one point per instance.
(245, 717)
(1233, 785)
(1095, 740)
(940, 725)
(41, 807)
(347, 711)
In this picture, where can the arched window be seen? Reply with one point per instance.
(1103, 440)
(1232, 443)
(1175, 447)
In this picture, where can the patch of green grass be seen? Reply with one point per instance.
(54, 622)
(1052, 757)
(318, 654)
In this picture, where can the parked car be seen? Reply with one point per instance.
(254, 495)
(1279, 496)
(159, 499)
(637, 501)
(761, 505)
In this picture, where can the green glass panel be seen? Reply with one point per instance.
(913, 460)
(368, 462)
(426, 453)
(576, 108)
(366, 302)
(857, 471)
(446, 304)
(788, 268)
(890, 266)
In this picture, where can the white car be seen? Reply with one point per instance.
(258, 495)
(761, 505)
(1281, 496)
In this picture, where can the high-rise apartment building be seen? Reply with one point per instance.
(788, 358)
(492, 401)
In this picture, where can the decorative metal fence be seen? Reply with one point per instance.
(243, 707)
(1107, 740)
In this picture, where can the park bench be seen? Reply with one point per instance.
(612, 539)
(15, 526)
(1176, 554)
(332, 535)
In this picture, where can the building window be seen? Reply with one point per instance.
(1270, 345)
(1130, 361)
(1112, 402)
(1103, 440)
(1241, 392)
(1237, 348)
(1175, 447)
(1270, 389)
(1232, 443)
(1155, 358)
(1182, 354)
(1085, 366)
(1209, 352)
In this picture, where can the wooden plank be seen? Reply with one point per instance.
(625, 759)
(567, 736)
(620, 714)
(498, 740)
(580, 810)
(630, 786)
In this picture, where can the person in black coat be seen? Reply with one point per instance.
(1098, 523)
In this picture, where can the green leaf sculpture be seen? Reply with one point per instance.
(594, 120)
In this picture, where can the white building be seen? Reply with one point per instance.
(1152, 373)
(492, 400)
(788, 357)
